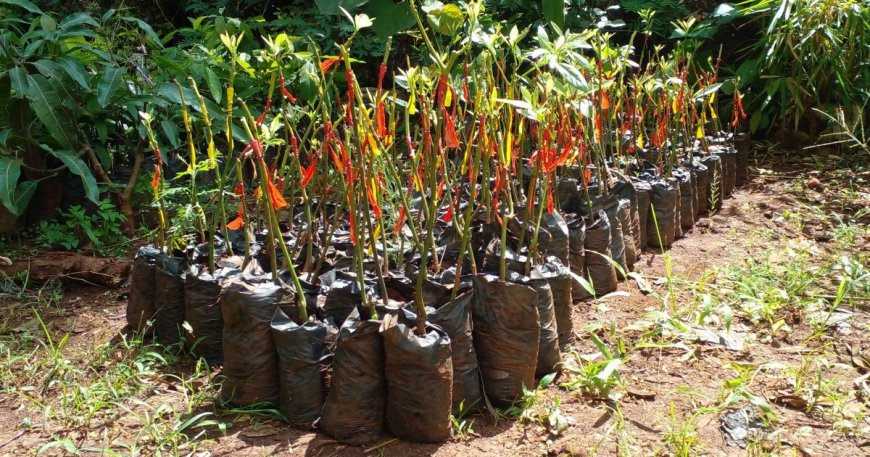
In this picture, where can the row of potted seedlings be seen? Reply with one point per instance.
(388, 255)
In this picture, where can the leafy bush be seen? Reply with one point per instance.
(808, 54)
(102, 230)
(69, 92)
(665, 13)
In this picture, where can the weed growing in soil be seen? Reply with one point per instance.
(596, 375)
(463, 427)
(681, 437)
(161, 405)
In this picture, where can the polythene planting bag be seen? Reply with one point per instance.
(610, 205)
(660, 223)
(250, 360)
(570, 198)
(599, 270)
(714, 185)
(506, 334)
(674, 183)
(202, 292)
(729, 168)
(624, 214)
(577, 258)
(455, 319)
(169, 299)
(549, 356)
(513, 260)
(687, 200)
(557, 243)
(354, 409)
(743, 144)
(642, 191)
(304, 352)
(626, 190)
(558, 277)
(342, 294)
(419, 372)
(140, 302)
(702, 178)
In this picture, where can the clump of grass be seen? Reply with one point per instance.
(83, 399)
(597, 376)
(681, 437)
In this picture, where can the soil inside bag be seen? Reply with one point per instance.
(702, 180)
(625, 221)
(626, 190)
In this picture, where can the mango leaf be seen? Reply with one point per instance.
(22, 196)
(214, 85)
(75, 70)
(23, 4)
(170, 129)
(726, 12)
(78, 167)
(334, 7)
(18, 79)
(110, 82)
(60, 88)
(10, 170)
(149, 32)
(48, 23)
(5, 95)
(48, 68)
(390, 18)
(169, 92)
(47, 106)
(77, 19)
(554, 11)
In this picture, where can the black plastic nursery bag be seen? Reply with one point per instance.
(506, 337)
(304, 352)
(140, 304)
(169, 299)
(419, 372)
(354, 409)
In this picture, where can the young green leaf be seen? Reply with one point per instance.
(46, 103)
(23, 195)
(23, 4)
(110, 82)
(78, 167)
(10, 170)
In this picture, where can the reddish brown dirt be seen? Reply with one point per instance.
(659, 382)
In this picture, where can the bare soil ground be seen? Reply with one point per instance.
(806, 386)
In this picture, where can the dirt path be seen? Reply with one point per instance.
(676, 382)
